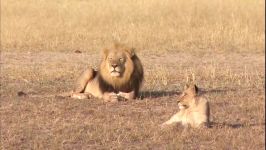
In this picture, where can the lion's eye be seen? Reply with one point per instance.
(121, 59)
(110, 58)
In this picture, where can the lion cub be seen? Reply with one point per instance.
(194, 109)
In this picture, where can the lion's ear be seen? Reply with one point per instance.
(186, 86)
(191, 89)
(131, 52)
(197, 89)
(194, 89)
(105, 53)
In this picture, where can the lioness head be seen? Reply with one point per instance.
(120, 65)
(187, 98)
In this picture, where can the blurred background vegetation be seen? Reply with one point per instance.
(153, 25)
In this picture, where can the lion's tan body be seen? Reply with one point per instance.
(194, 109)
(120, 76)
(87, 85)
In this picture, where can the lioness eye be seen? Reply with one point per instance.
(110, 58)
(121, 59)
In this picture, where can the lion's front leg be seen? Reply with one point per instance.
(110, 97)
(81, 95)
(174, 119)
(83, 80)
(128, 96)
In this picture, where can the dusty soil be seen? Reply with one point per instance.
(33, 118)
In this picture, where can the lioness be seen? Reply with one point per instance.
(194, 109)
(120, 76)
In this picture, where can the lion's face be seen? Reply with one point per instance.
(187, 98)
(117, 65)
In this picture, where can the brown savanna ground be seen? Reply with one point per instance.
(217, 43)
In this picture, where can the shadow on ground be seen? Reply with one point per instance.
(157, 94)
(234, 125)
(204, 91)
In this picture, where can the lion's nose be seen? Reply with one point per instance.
(114, 65)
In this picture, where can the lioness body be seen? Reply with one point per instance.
(194, 109)
(120, 76)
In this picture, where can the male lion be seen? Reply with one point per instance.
(194, 109)
(120, 76)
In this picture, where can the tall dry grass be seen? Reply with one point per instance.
(178, 25)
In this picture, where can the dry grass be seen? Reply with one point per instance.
(218, 44)
(169, 25)
(234, 84)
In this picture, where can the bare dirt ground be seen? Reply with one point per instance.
(35, 119)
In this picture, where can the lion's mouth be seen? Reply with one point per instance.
(181, 106)
(115, 73)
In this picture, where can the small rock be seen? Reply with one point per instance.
(21, 93)
(78, 51)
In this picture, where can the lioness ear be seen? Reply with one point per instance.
(186, 86)
(194, 89)
(131, 52)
